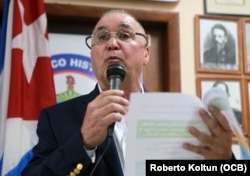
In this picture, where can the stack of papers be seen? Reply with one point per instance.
(158, 126)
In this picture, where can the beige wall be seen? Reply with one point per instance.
(187, 10)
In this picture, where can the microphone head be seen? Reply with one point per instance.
(116, 70)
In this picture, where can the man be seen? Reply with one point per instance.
(222, 51)
(73, 135)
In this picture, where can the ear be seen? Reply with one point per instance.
(146, 55)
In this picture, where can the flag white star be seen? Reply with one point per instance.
(32, 41)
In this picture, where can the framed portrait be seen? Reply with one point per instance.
(218, 44)
(227, 7)
(246, 43)
(233, 87)
(246, 120)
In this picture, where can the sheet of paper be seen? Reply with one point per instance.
(218, 97)
(158, 124)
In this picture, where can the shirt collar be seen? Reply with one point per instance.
(142, 88)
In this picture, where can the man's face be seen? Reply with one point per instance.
(219, 38)
(132, 54)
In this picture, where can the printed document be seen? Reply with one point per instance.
(158, 126)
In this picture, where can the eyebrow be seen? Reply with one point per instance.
(126, 26)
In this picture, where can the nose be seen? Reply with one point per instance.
(113, 42)
(217, 38)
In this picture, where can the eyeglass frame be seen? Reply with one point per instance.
(135, 33)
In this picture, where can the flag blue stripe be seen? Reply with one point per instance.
(3, 33)
(21, 165)
(1, 164)
(245, 154)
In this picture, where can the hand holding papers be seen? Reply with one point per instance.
(218, 98)
(158, 126)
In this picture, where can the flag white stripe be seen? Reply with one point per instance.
(5, 78)
(18, 129)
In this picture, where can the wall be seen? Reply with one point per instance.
(187, 10)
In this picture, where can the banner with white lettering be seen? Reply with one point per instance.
(73, 75)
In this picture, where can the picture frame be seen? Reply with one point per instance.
(227, 7)
(167, 0)
(234, 88)
(246, 43)
(246, 84)
(218, 44)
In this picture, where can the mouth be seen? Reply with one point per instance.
(113, 59)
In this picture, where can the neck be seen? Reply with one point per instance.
(129, 90)
(70, 87)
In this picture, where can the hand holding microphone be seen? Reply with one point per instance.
(98, 112)
(115, 74)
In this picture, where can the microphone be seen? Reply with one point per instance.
(115, 74)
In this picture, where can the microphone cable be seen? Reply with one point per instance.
(101, 156)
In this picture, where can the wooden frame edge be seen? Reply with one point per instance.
(198, 44)
(246, 45)
(244, 113)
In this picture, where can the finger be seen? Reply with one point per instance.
(115, 107)
(112, 92)
(202, 137)
(112, 96)
(111, 118)
(211, 122)
(221, 119)
(110, 113)
(201, 150)
(108, 102)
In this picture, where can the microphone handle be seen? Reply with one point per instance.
(114, 83)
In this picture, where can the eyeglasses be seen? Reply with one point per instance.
(103, 37)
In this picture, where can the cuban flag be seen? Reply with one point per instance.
(26, 78)
(3, 99)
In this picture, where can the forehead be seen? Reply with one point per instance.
(219, 31)
(114, 21)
